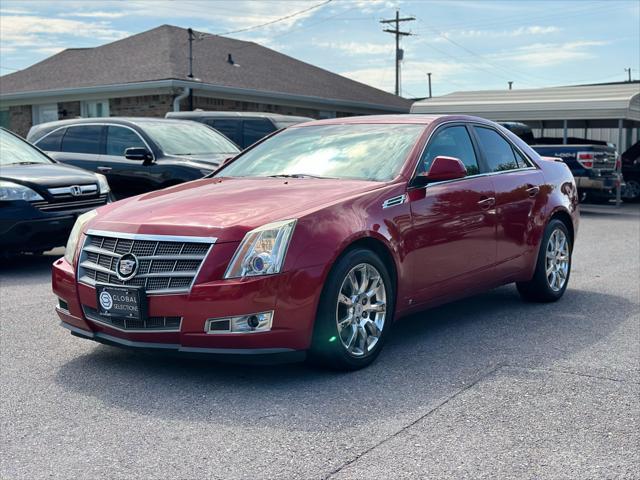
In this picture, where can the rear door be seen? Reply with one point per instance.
(520, 199)
(80, 146)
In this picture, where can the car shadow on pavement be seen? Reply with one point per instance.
(23, 268)
(427, 356)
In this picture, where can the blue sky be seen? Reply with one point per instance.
(467, 45)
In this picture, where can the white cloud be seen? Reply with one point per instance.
(356, 48)
(517, 32)
(98, 14)
(550, 54)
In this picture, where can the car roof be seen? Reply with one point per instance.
(415, 119)
(44, 128)
(222, 113)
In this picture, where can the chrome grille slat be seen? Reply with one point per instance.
(159, 324)
(166, 264)
(59, 206)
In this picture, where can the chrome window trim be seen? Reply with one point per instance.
(99, 124)
(533, 166)
(141, 236)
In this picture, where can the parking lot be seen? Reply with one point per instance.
(487, 387)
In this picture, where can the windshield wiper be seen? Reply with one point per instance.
(297, 175)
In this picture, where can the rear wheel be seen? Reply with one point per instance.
(553, 268)
(354, 313)
(631, 192)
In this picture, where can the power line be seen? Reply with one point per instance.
(295, 14)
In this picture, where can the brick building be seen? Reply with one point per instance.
(147, 75)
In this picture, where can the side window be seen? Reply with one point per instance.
(230, 128)
(254, 130)
(522, 163)
(82, 139)
(450, 142)
(51, 142)
(497, 151)
(120, 138)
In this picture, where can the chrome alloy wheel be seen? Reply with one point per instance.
(557, 260)
(361, 309)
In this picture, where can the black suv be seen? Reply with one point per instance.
(40, 198)
(137, 155)
(243, 128)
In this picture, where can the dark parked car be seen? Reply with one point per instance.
(593, 163)
(631, 173)
(243, 128)
(40, 198)
(137, 155)
(318, 238)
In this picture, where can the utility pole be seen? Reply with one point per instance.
(429, 75)
(190, 76)
(398, 34)
(628, 70)
(510, 85)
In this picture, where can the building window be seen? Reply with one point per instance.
(95, 108)
(44, 113)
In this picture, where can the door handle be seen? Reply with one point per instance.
(533, 190)
(487, 202)
(104, 169)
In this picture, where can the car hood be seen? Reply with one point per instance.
(47, 175)
(225, 208)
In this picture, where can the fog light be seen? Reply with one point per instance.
(256, 322)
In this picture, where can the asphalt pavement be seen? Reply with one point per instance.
(487, 387)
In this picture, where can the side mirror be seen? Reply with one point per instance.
(138, 153)
(442, 168)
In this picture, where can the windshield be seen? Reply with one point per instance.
(355, 151)
(185, 138)
(14, 151)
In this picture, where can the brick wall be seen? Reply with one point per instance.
(20, 119)
(144, 106)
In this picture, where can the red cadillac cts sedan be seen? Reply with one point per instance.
(316, 239)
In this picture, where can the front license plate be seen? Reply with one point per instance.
(122, 302)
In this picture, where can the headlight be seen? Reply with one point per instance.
(262, 250)
(103, 184)
(15, 191)
(74, 236)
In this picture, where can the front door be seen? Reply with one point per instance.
(452, 239)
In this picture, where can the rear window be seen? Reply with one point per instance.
(82, 139)
(254, 130)
(51, 142)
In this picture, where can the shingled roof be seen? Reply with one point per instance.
(161, 54)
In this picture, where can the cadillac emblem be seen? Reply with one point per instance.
(127, 266)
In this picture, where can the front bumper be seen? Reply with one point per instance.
(24, 228)
(292, 296)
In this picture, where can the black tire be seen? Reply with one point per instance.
(328, 349)
(632, 191)
(538, 289)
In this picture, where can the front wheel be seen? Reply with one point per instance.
(355, 312)
(553, 267)
(631, 192)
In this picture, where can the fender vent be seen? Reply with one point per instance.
(393, 201)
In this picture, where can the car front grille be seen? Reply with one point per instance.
(62, 205)
(164, 324)
(166, 264)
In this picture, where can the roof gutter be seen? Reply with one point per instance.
(176, 101)
(173, 83)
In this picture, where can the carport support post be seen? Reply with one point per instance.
(564, 132)
(619, 169)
